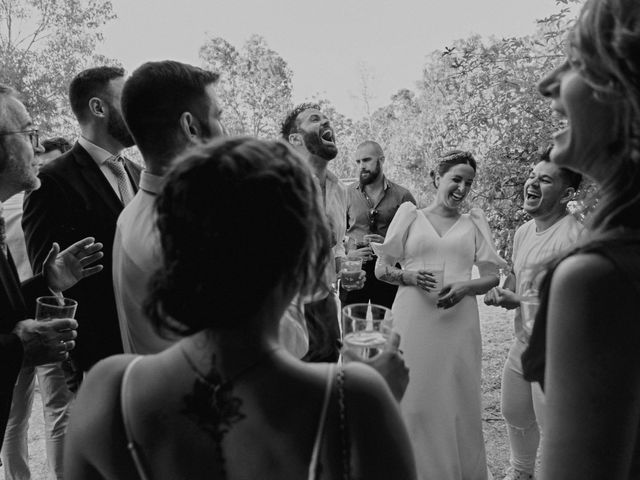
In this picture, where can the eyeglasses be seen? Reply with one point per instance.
(34, 137)
(373, 215)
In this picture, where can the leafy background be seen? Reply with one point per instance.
(477, 94)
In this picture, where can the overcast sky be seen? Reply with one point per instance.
(325, 43)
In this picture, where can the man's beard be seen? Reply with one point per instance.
(317, 147)
(372, 176)
(118, 129)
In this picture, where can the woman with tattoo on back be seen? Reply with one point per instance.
(242, 233)
(436, 314)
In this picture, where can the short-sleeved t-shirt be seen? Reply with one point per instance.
(532, 249)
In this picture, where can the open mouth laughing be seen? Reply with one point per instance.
(532, 194)
(457, 196)
(562, 116)
(327, 136)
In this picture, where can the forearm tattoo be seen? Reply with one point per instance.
(392, 275)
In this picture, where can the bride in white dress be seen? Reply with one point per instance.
(440, 330)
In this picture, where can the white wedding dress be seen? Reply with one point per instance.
(442, 348)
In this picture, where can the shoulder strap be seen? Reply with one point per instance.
(126, 419)
(315, 454)
(344, 434)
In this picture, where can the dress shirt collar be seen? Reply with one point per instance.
(385, 184)
(151, 183)
(99, 154)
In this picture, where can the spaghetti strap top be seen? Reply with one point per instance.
(315, 454)
(124, 403)
(136, 455)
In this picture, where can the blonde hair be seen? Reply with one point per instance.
(605, 47)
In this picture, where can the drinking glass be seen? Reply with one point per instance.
(366, 328)
(350, 273)
(48, 308)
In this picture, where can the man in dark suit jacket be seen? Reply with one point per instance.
(82, 194)
(24, 341)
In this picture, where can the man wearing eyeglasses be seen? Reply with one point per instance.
(23, 341)
(373, 202)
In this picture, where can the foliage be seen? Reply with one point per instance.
(479, 95)
(43, 44)
(255, 88)
(475, 94)
(491, 106)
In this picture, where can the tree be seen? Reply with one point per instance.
(255, 85)
(43, 44)
(478, 95)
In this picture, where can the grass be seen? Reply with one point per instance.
(497, 330)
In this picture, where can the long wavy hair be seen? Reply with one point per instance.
(605, 46)
(236, 218)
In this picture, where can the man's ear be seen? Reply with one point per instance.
(189, 126)
(568, 195)
(97, 107)
(295, 139)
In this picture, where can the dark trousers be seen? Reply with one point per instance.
(374, 290)
(324, 330)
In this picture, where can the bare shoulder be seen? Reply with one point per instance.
(588, 273)
(371, 409)
(106, 374)
(102, 382)
(365, 387)
(362, 379)
(589, 294)
(96, 421)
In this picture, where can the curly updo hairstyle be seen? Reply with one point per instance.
(605, 48)
(449, 160)
(236, 217)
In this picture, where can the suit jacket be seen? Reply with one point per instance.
(75, 201)
(17, 302)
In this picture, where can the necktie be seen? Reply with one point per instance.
(116, 165)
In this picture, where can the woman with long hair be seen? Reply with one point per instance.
(242, 233)
(585, 343)
(436, 314)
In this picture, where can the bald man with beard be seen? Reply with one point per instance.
(373, 202)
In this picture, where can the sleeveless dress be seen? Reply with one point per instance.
(622, 250)
(442, 348)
